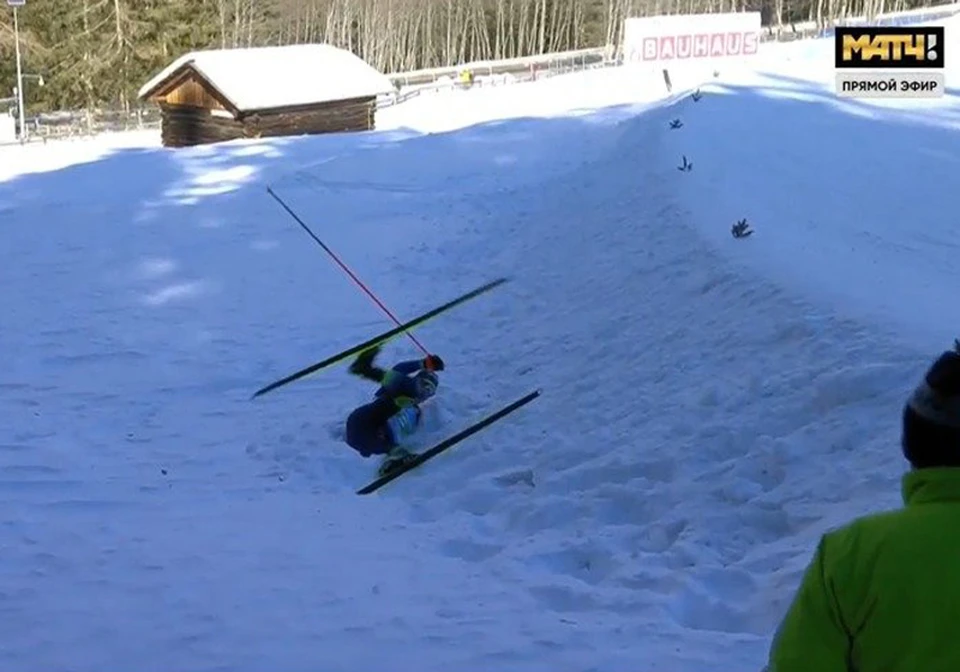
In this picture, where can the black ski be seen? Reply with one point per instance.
(420, 458)
(382, 338)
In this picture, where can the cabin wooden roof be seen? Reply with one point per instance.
(264, 78)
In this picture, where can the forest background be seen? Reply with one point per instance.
(98, 53)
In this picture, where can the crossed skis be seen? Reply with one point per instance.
(404, 329)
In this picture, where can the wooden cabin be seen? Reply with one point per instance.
(226, 94)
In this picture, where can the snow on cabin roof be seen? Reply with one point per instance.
(269, 77)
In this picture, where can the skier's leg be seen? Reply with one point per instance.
(401, 426)
(365, 438)
(404, 424)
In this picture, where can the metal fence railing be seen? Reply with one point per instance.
(484, 78)
(71, 124)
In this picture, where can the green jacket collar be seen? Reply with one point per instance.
(930, 486)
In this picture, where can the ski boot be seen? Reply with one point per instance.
(398, 457)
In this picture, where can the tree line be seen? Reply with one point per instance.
(97, 53)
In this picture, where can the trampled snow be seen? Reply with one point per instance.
(710, 405)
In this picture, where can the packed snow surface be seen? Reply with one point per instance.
(711, 405)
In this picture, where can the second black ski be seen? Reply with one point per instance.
(447, 443)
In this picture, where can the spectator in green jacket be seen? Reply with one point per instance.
(883, 592)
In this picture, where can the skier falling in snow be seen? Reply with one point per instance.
(382, 426)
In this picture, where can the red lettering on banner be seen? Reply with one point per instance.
(668, 47)
(734, 44)
(700, 45)
(717, 45)
(650, 49)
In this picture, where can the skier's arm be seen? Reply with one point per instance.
(409, 366)
(397, 383)
(430, 362)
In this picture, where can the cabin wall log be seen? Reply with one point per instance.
(183, 126)
(188, 125)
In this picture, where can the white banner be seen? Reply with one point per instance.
(8, 128)
(690, 37)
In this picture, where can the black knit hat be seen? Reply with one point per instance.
(931, 417)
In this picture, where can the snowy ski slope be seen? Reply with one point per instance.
(710, 405)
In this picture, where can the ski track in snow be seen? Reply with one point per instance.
(710, 405)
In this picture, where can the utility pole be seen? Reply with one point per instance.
(16, 39)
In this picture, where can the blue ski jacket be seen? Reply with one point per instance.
(398, 385)
(367, 425)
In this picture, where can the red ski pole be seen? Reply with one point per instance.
(345, 268)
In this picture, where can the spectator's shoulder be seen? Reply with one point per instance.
(851, 550)
(866, 527)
